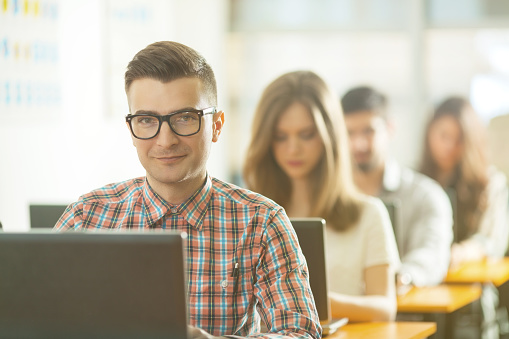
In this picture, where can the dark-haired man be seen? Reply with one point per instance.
(173, 120)
(422, 212)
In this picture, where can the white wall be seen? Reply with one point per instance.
(53, 154)
(57, 156)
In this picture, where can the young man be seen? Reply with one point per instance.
(423, 221)
(172, 96)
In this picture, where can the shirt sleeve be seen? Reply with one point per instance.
(282, 288)
(71, 219)
(429, 239)
(493, 233)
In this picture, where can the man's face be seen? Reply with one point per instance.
(369, 137)
(169, 158)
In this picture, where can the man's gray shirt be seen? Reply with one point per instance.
(422, 225)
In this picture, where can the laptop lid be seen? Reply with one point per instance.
(92, 285)
(311, 235)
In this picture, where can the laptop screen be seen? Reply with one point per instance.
(92, 285)
(311, 234)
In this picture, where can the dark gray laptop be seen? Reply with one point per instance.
(311, 234)
(92, 285)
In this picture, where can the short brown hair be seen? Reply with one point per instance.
(364, 98)
(166, 61)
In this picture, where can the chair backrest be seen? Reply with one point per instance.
(453, 198)
(394, 209)
(45, 216)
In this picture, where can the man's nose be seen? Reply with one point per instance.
(166, 137)
(359, 143)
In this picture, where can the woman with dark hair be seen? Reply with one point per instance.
(455, 156)
(299, 157)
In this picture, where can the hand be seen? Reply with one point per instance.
(457, 256)
(403, 283)
(197, 333)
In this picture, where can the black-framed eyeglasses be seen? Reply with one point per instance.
(184, 122)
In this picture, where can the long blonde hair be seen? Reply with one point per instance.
(471, 175)
(334, 196)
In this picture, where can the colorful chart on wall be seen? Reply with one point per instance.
(29, 57)
(31, 50)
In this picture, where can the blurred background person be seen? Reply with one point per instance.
(423, 216)
(455, 156)
(298, 156)
(498, 139)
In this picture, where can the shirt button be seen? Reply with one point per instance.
(224, 284)
(174, 210)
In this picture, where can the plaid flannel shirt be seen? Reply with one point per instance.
(225, 225)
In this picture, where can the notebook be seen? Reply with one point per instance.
(92, 285)
(311, 234)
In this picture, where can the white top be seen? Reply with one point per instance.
(369, 243)
(493, 233)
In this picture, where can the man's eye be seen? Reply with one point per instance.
(186, 117)
(368, 131)
(146, 120)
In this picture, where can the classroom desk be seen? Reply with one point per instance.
(438, 299)
(440, 302)
(495, 271)
(383, 330)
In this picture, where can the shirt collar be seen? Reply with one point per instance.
(154, 207)
(392, 176)
(192, 210)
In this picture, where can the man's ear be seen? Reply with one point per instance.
(217, 125)
(391, 127)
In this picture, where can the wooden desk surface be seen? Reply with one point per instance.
(495, 271)
(382, 330)
(443, 298)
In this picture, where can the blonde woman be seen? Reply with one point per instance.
(298, 156)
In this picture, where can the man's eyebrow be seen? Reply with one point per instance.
(145, 112)
(152, 112)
